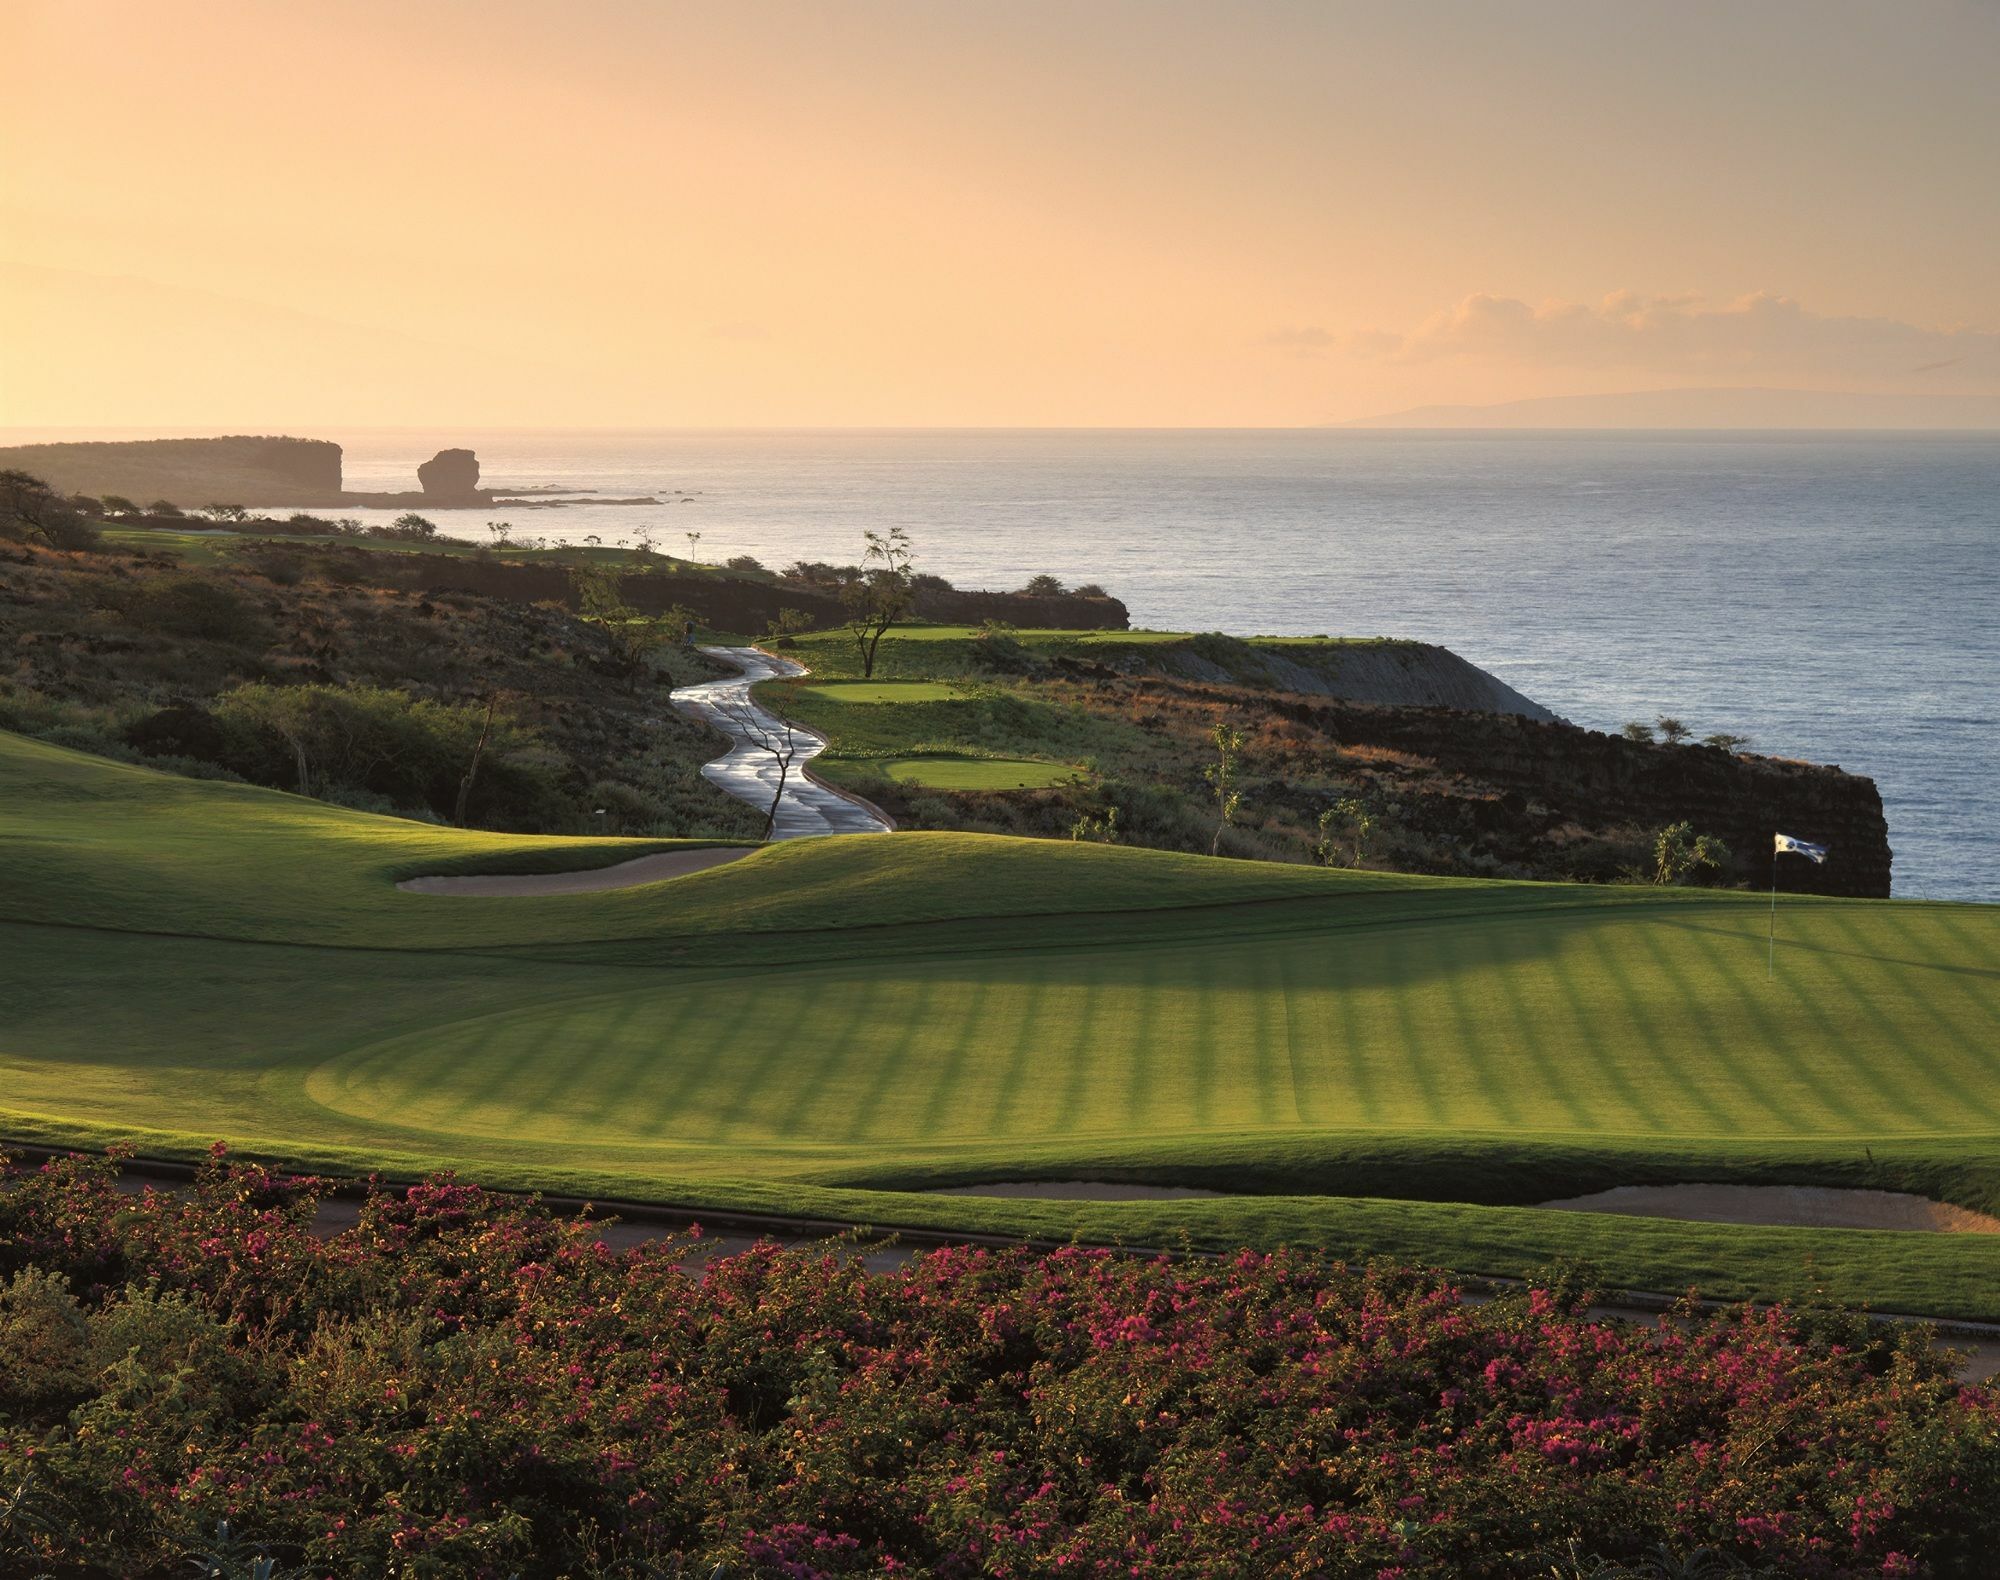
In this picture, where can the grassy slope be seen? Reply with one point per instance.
(825, 1022)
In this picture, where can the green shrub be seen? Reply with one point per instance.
(375, 741)
(190, 604)
(458, 1384)
(45, 1362)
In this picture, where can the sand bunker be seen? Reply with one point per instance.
(625, 875)
(1794, 1206)
(1078, 1190)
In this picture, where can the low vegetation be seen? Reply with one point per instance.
(461, 1385)
(270, 665)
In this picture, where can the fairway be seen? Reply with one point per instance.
(1374, 1063)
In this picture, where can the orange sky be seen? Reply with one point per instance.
(276, 215)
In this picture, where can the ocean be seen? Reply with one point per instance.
(1835, 597)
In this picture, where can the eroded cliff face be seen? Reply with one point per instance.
(1530, 772)
(1405, 674)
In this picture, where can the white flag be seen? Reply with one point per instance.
(1798, 847)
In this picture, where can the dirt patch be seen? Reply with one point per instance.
(1791, 1206)
(625, 875)
(1078, 1190)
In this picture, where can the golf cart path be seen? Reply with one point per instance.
(749, 772)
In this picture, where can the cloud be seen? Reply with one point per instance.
(1306, 341)
(1759, 337)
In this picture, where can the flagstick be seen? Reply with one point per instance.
(1771, 963)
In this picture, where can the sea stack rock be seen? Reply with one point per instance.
(450, 474)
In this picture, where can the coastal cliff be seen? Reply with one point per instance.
(1396, 672)
(241, 468)
(1450, 791)
(259, 472)
(1497, 771)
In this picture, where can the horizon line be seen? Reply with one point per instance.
(229, 430)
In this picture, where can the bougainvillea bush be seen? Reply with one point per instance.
(458, 1384)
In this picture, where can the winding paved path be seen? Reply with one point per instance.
(749, 772)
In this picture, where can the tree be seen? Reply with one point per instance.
(694, 545)
(410, 749)
(472, 769)
(287, 712)
(1348, 824)
(165, 507)
(782, 631)
(1637, 731)
(882, 596)
(600, 599)
(1672, 731)
(501, 531)
(119, 505)
(29, 509)
(1679, 854)
(225, 512)
(769, 734)
(1723, 741)
(412, 525)
(1221, 775)
(1044, 587)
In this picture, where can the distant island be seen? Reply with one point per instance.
(260, 470)
(1711, 408)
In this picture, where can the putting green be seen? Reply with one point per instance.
(875, 691)
(942, 772)
(1380, 1064)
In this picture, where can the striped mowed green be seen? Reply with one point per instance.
(824, 1026)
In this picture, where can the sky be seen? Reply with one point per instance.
(245, 213)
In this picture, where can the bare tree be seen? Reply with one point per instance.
(1222, 775)
(884, 595)
(478, 752)
(771, 735)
